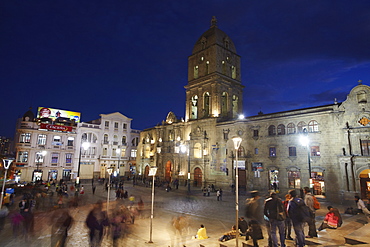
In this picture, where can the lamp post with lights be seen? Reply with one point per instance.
(152, 172)
(6, 163)
(109, 171)
(84, 146)
(185, 149)
(306, 142)
(237, 141)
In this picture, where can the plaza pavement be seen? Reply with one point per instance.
(217, 216)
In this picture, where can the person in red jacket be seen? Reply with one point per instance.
(332, 219)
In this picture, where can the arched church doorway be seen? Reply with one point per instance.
(365, 183)
(167, 175)
(198, 177)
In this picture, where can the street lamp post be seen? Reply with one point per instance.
(85, 146)
(152, 172)
(183, 150)
(306, 142)
(7, 163)
(237, 141)
(109, 170)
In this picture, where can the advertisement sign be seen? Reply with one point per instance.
(56, 127)
(44, 112)
(257, 166)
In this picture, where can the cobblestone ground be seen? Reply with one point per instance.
(217, 216)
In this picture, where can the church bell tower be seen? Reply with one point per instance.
(214, 82)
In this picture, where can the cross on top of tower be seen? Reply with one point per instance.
(214, 21)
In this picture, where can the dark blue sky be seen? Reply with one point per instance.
(131, 56)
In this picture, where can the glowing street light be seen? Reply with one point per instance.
(109, 171)
(237, 141)
(84, 146)
(305, 141)
(7, 163)
(185, 149)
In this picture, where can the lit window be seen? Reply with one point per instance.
(313, 126)
(301, 126)
(291, 128)
(41, 140)
(272, 151)
(25, 138)
(22, 156)
(133, 153)
(54, 158)
(315, 151)
(70, 141)
(68, 158)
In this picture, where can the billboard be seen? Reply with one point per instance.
(45, 112)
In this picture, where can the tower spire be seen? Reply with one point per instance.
(214, 21)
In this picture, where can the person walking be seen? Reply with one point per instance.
(254, 214)
(288, 221)
(297, 213)
(309, 201)
(275, 212)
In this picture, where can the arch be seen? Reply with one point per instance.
(198, 177)
(146, 171)
(224, 105)
(168, 171)
(194, 107)
(291, 128)
(313, 126)
(301, 126)
(272, 130)
(206, 102)
(281, 129)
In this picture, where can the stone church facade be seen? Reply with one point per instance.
(334, 161)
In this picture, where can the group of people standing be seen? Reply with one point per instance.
(279, 217)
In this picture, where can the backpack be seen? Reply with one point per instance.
(316, 203)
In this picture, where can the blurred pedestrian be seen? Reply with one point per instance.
(297, 212)
(275, 212)
(93, 189)
(288, 221)
(309, 201)
(254, 214)
(243, 226)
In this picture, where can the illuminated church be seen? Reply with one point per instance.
(334, 161)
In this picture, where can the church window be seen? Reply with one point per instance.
(226, 43)
(281, 129)
(301, 126)
(235, 105)
(196, 72)
(197, 150)
(206, 104)
(272, 130)
(207, 67)
(233, 72)
(224, 107)
(313, 126)
(291, 128)
(194, 107)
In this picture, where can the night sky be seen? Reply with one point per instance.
(99, 57)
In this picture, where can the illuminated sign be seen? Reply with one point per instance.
(44, 112)
(56, 127)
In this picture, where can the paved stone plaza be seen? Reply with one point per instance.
(217, 216)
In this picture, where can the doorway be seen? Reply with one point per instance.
(198, 177)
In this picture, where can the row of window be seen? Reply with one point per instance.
(314, 151)
(40, 159)
(116, 125)
(41, 139)
(312, 126)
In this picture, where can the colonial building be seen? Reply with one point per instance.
(333, 161)
(55, 147)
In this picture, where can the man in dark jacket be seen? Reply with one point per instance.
(273, 206)
(297, 213)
